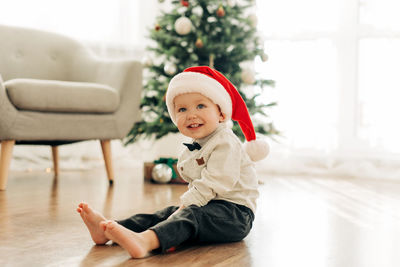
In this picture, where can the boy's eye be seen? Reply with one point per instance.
(200, 106)
(181, 109)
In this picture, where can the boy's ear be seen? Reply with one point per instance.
(222, 117)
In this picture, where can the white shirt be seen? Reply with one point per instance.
(220, 170)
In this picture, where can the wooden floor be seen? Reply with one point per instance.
(300, 221)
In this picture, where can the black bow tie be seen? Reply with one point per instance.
(193, 146)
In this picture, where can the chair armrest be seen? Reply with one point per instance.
(7, 111)
(123, 75)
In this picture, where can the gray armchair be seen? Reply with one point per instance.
(54, 91)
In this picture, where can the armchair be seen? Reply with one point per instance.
(54, 91)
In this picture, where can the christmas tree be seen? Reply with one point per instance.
(220, 34)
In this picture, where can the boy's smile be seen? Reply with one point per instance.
(196, 115)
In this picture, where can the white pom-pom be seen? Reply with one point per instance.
(257, 149)
(229, 123)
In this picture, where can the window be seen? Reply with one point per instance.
(335, 63)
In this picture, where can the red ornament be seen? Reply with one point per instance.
(185, 3)
(157, 27)
(220, 12)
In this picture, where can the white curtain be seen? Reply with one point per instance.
(335, 63)
(115, 28)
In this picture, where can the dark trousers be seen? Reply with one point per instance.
(218, 221)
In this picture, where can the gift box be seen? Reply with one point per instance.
(148, 168)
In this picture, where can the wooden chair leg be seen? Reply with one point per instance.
(106, 147)
(5, 160)
(54, 152)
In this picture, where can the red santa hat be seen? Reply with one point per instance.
(221, 91)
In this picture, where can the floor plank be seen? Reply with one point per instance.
(300, 221)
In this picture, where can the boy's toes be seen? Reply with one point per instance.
(109, 225)
(103, 225)
(106, 225)
(85, 207)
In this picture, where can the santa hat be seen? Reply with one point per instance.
(221, 91)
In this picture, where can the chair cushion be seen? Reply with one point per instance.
(62, 96)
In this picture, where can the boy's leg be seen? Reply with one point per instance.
(223, 221)
(141, 222)
(179, 228)
(218, 221)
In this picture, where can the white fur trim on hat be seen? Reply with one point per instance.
(194, 82)
(257, 149)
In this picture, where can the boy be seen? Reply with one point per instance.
(220, 202)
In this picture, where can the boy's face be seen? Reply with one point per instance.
(196, 115)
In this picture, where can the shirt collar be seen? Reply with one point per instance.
(204, 140)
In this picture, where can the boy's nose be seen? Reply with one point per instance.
(192, 115)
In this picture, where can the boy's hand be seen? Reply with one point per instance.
(181, 207)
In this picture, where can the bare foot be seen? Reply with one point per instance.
(137, 244)
(92, 220)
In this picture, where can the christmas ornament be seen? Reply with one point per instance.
(157, 27)
(253, 20)
(197, 10)
(161, 173)
(170, 68)
(185, 3)
(247, 76)
(220, 12)
(231, 3)
(183, 25)
(147, 61)
(264, 57)
(199, 43)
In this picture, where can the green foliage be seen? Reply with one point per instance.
(227, 41)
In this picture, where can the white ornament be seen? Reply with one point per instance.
(231, 3)
(161, 173)
(264, 57)
(248, 76)
(183, 25)
(197, 11)
(147, 61)
(254, 20)
(170, 68)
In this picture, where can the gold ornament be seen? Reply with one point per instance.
(220, 12)
(199, 43)
(264, 57)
